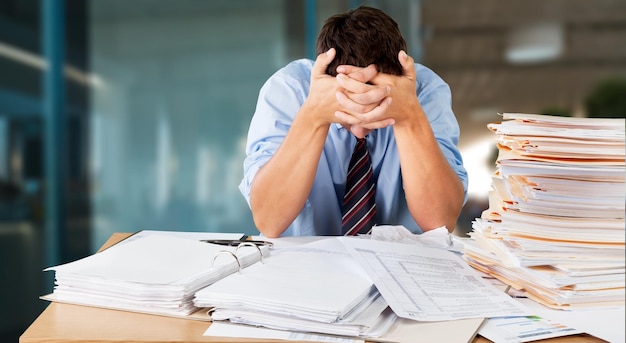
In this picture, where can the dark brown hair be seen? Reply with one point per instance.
(362, 36)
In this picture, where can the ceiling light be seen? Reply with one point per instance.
(37, 62)
(535, 43)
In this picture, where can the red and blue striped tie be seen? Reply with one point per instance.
(359, 201)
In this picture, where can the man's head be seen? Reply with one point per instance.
(361, 37)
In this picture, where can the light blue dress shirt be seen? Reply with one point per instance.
(279, 101)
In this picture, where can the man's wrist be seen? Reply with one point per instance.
(412, 116)
(315, 115)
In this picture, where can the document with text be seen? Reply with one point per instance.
(430, 284)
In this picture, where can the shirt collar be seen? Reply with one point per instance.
(339, 127)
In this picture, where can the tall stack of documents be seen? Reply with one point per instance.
(555, 223)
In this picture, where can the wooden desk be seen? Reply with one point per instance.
(72, 323)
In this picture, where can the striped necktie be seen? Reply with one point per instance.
(359, 201)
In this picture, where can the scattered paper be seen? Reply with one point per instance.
(523, 329)
(224, 329)
(429, 284)
(437, 238)
(607, 324)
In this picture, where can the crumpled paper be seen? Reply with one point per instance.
(436, 238)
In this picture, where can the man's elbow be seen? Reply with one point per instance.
(268, 228)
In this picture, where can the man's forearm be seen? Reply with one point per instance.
(433, 191)
(281, 187)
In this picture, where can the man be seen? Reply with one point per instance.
(310, 114)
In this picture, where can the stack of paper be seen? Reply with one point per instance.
(555, 223)
(315, 287)
(155, 274)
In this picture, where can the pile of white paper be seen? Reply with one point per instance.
(315, 287)
(153, 274)
(555, 223)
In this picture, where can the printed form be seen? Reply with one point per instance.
(430, 284)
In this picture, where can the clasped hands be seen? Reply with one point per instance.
(363, 99)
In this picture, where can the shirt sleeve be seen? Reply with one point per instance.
(436, 99)
(280, 99)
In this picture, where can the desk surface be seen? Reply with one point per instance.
(72, 323)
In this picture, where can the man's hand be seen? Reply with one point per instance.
(363, 99)
(403, 91)
(321, 99)
(366, 96)
(359, 98)
(357, 94)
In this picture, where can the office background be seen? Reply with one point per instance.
(117, 116)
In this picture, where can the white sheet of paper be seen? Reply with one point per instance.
(429, 284)
(184, 234)
(607, 324)
(436, 238)
(524, 329)
(278, 284)
(153, 259)
(223, 329)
